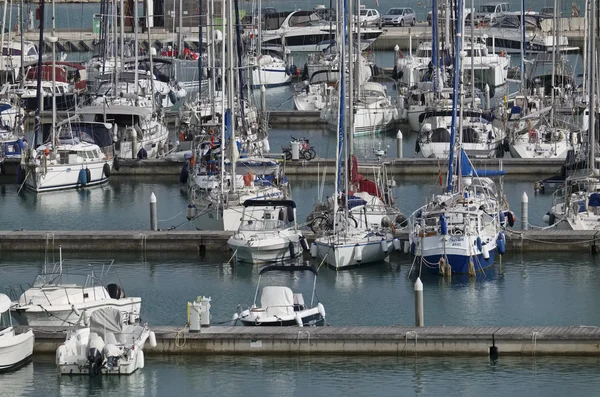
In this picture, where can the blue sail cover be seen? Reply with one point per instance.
(468, 170)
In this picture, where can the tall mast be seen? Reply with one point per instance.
(341, 110)
(135, 46)
(523, 43)
(434, 44)
(22, 46)
(223, 19)
(554, 45)
(455, 90)
(592, 88)
(53, 39)
(348, 30)
(231, 89)
(40, 98)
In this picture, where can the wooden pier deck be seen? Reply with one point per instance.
(576, 340)
(201, 241)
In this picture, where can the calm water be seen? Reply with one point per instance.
(319, 376)
(123, 204)
(533, 289)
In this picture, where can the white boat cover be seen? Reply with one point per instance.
(106, 320)
(277, 301)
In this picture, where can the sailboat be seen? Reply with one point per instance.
(577, 205)
(70, 156)
(348, 244)
(460, 230)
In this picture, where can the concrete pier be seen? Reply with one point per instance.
(388, 340)
(405, 166)
(200, 241)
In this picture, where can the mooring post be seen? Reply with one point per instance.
(263, 97)
(399, 138)
(419, 316)
(153, 217)
(524, 211)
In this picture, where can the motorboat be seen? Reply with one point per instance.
(270, 236)
(12, 133)
(480, 138)
(12, 51)
(60, 298)
(70, 158)
(138, 130)
(280, 306)
(16, 348)
(108, 346)
(271, 68)
(305, 31)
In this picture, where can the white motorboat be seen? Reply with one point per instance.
(15, 348)
(71, 158)
(480, 139)
(12, 51)
(305, 31)
(486, 67)
(60, 298)
(272, 236)
(108, 346)
(313, 94)
(138, 130)
(272, 68)
(280, 306)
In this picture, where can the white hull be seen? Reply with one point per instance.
(441, 150)
(340, 253)
(270, 76)
(65, 315)
(65, 176)
(275, 249)
(15, 350)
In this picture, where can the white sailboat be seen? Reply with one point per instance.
(347, 245)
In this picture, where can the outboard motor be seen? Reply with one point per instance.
(94, 359)
(115, 291)
(112, 354)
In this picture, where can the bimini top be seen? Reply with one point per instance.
(301, 268)
(270, 203)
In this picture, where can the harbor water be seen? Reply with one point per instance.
(318, 376)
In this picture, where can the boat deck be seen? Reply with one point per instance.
(384, 340)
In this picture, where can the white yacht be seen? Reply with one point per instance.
(10, 59)
(138, 130)
(272, 68)
(108, 346)
(60, 298)
(305, 31)
(487, 67)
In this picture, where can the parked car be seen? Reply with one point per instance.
(369, 17)
(400, 17)
(490, 12)
(442, 15)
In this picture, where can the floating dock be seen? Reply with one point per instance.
(202, 241)
(388, 340)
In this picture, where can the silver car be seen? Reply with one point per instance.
(400, 17)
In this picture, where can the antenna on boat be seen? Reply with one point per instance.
(60, 258)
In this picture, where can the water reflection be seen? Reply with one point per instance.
(18, 383)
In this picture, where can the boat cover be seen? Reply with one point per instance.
(106, 320)
(277, 301)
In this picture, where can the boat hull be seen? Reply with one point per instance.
(37, 316)
(263, 252)
(342, 256)
(59, 177)
(314, 319)
(15, 350)
(459, 264)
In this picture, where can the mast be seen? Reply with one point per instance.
(523, 43)
(223, 19)
(554, 44)
(122, 22)
(135, 46)
(455, 89)
(341, 113)
(22, 44)
(40, 98)
(348, 30)
(434, 44)
(200, 47)
(231, 89)
(2, 34)
(150, 47)
(592, 89)
(53, 39)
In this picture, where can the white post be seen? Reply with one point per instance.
(263, 97)
(409, 43)
(419, 316)
(396, 54)
(524, 211)
(153, 213)
(399, 144)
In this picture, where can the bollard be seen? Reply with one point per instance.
(524, 211)
(487, 97)
(396, 54)
(263, 97)
(399, 144)
(153, 218)
(419, 320)
(133, 145)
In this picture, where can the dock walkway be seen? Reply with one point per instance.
(202, 241)
(360, 340)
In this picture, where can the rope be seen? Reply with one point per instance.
(177, 336)
(165, 220)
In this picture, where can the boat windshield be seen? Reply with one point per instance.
(61, 280)
(73, 134)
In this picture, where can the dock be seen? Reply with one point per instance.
(198, 242)
(576, 340)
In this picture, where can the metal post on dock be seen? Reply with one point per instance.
(153, 216)
(396, 54)
(263, 97)
(419, 316)
(399, 138)
(524, 211)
